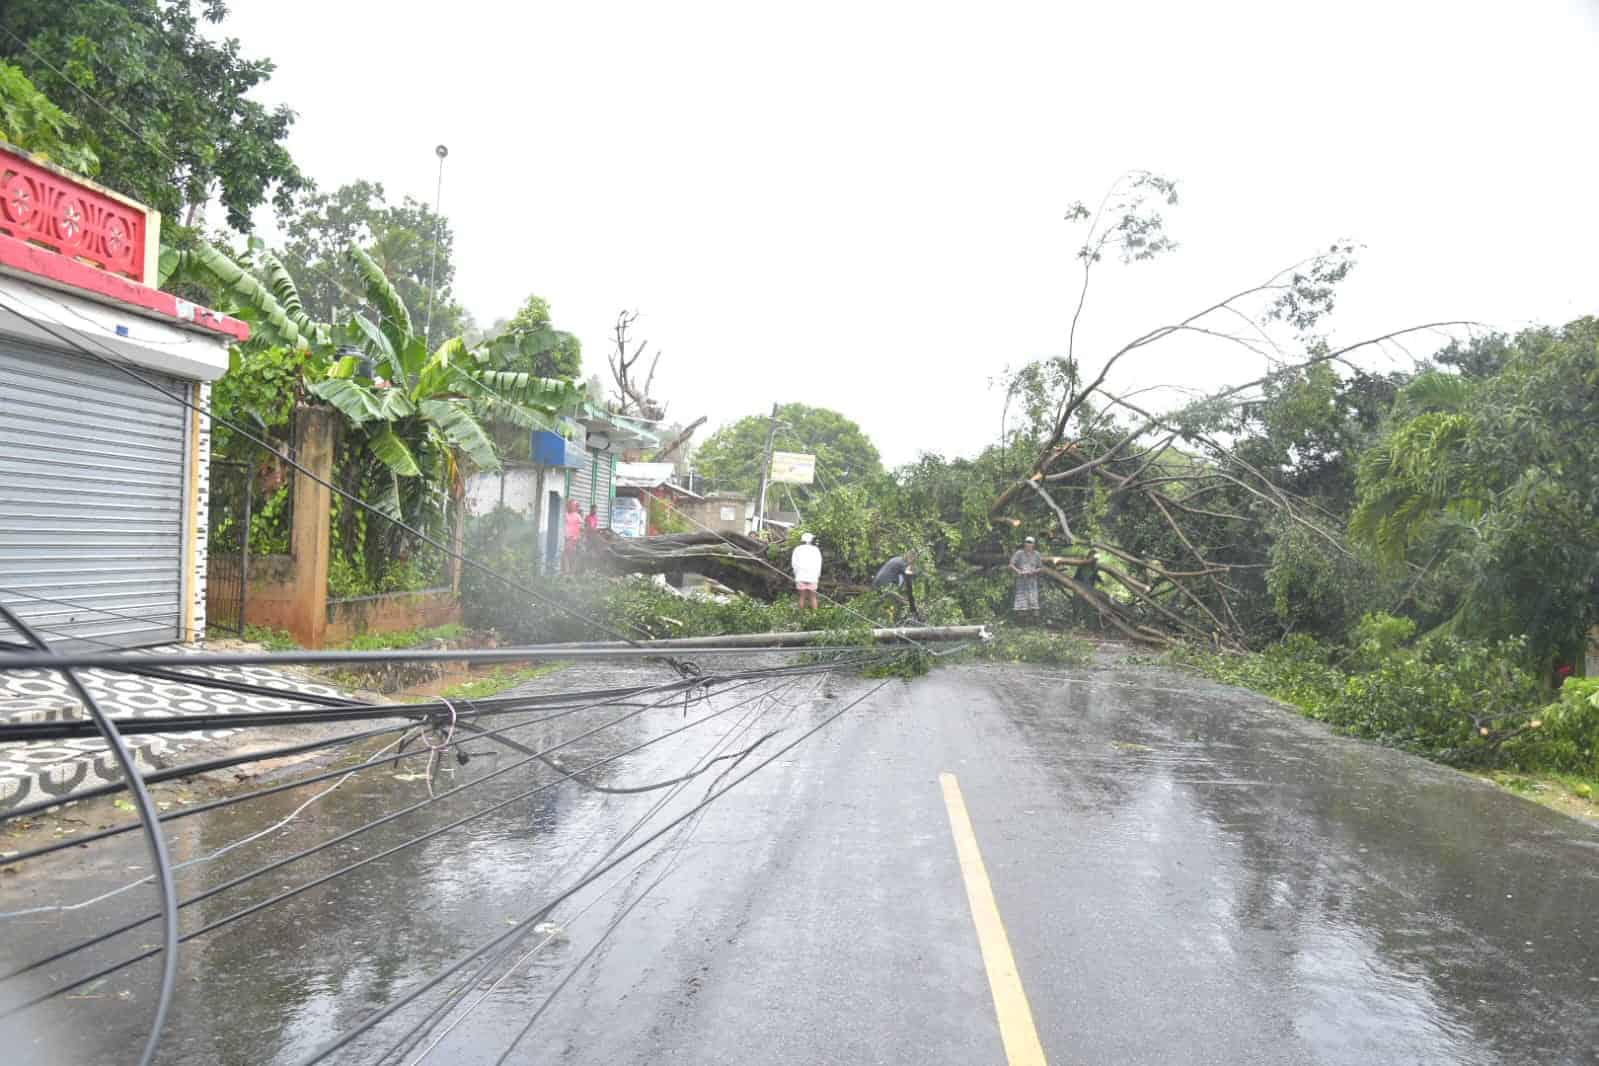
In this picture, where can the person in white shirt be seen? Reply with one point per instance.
(807, 564)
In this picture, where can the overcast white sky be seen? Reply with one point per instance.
(860, 205)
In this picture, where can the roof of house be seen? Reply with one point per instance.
(619, 431)
(650, 476)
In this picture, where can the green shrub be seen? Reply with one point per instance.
(1378, 636)
(1567, 736)
(663, 518)
(1457, 701)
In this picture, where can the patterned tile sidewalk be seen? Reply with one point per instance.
(58, 769)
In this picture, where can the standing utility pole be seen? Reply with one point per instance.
(766, 472)
(433, 268)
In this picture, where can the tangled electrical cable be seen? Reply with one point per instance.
(449, 725)
(441, 726)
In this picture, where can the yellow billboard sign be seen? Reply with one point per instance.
(793, 468)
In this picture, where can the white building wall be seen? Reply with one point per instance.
(514, 487)
(521, 489)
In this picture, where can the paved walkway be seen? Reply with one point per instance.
(30, 772)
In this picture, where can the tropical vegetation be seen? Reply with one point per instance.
(1410, 554)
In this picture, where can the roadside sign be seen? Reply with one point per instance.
(793, 468)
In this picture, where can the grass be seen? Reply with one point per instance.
(1570, 794)
(499, 680)
(405, 638)
(271, 639)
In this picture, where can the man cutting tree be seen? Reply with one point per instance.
(897, 574)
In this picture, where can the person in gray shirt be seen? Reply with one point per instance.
(897, 574)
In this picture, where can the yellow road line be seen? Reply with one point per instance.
(1010, 999)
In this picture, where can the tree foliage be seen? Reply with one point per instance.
(30, 121)
(398, 238)
(1492, 474)
(731, 457)
(562, 357)
(166, 107)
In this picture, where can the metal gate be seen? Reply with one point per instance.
(228, 557)
(92, 493)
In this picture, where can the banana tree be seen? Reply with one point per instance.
(417, 419)
(270, 302)
(420, 412)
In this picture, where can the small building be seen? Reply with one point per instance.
(577, 464)
(104, 450)
(721, 512)
(657, 482)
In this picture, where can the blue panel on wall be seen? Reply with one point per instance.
(551, 449)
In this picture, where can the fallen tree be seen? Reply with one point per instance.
(1170, 524)
(1167, 514)
(740, 562)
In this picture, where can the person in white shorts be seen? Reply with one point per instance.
(807, 565)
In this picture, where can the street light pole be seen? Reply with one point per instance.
(433, 268)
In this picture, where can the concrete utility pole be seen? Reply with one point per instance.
(766, 471)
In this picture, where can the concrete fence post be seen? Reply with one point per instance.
(315, 436)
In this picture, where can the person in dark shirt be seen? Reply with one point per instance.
(897, 574)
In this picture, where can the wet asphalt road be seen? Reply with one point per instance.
(1186, 873)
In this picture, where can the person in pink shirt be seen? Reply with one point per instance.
(574, 536)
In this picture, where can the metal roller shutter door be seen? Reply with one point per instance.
(604, 487)
(91, 500)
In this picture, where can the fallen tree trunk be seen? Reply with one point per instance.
(678, 441)
(1108, 610)
(734, 560)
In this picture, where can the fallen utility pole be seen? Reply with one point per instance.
(804, 638)
(737, 642)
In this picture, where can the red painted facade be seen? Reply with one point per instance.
(45, 208)
(72, 235)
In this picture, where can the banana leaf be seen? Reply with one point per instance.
(460, 427)
(387, 502)
(355, 401)
(436, 372)
(377, 345)
(281, 283)
(396, 319)
(394, 404)
(273, 321)
(393, 453)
